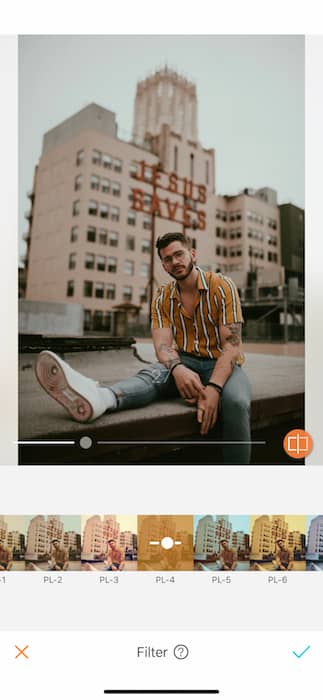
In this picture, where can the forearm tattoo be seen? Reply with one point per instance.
(235, 334)
(170, 355)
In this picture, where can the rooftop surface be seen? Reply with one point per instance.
(278, 389)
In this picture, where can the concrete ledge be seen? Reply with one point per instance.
(164, 421)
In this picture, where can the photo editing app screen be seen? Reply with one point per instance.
(161, 373)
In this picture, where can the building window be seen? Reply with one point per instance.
(145, 245)
(100, 262)
(192, 166)
(78, 182)
(87, 289)
(131, 218)
(218, 232)
(91, 234)
(112, 265)
(105, 185)
(70, 288)
(130, 243)
(107, 161)
(76, 208)
(89, 261)
(128, 267)
(148, 175)
(111, 291)
(117, 165)
(87, 320)
(175, 158)
(107, 324)
(146, 223)
(104, 211)
(96, 157)
(127, 294)
(72, 261)
(74, 234)
(218, 250)
(147, 200)
(115, 213)
(95, 182)
(93, 207)
(116, 189)
(103, 236)
(99, 290)
(98, 320)
(143, 296)
(207, 173)
(144, 270)
(79, 157)
(133, 170)
(113, 238)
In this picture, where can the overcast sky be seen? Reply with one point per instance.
(250, 98)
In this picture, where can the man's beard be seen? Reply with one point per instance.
(183, 276)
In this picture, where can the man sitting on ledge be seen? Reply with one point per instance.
(196, 331)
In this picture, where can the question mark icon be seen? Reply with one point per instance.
(181, 652)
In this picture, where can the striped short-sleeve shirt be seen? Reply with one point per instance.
(217, 303)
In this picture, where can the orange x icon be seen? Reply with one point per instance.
(22, 651)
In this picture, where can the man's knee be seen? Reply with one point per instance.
(154, 373)
(237, 403)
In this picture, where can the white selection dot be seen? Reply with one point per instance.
(167, 542)
(86, 442)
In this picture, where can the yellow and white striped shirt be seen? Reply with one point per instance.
(217, 303)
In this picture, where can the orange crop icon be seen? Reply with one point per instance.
(298, 443)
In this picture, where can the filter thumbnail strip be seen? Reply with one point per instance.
(118, 543)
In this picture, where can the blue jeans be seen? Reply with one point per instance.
(153, 382)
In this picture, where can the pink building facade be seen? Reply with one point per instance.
(86, 243)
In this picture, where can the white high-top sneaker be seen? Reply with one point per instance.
(78, 394)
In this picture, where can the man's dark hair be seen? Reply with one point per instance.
(167, 238)
(112, 540)
(224, 541)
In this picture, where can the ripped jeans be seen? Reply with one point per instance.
(153, 382)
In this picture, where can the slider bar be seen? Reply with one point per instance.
(161, 692)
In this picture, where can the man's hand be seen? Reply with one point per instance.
(207, 409)
(188, 383)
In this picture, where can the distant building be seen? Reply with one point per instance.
(209, 533)
(292, 242)
(261, 538)
(315, 539)
(86, 244)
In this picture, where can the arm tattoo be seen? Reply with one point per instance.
(170, 354)
(235, 334)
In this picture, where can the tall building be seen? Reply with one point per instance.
(279, 530)
(126, 540)
(55, 528)
(261, 538)
(98, 203)
(38, 542)
(248, 238)
(296, 541)
(72, 542)
(210, 532)
(165, 98)
(315, 539)
(110, 528)
(3, 530)
(93, 540)
(16, 541)
(292, 243)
